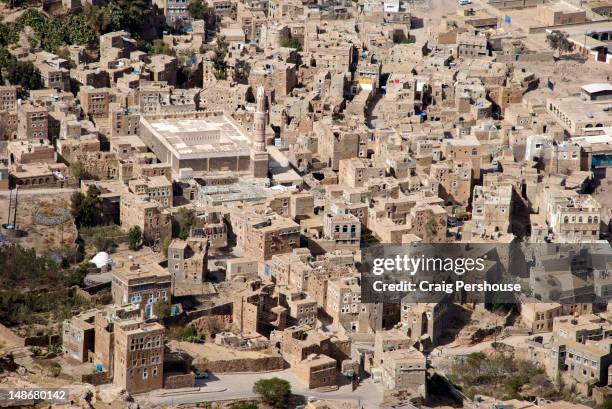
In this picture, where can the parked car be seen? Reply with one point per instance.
(202, 375)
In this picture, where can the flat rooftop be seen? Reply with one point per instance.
(591, 26)
(191, 138)
(576, 109)
(564, 7)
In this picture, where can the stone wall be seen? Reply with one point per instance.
(176, 381)
(42, 340)
(96, 378)
(515, 4)
(263, 364)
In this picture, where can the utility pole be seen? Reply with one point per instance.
(15, 212)
(8, 216)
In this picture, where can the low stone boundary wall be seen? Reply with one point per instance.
(264, 364)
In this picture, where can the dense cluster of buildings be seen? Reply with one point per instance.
(293, 159)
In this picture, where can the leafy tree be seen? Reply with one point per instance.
(219, 64)
(134, 237)
(188, 334)
(559, 41)
(24, 74)
(117, 16)
(103, 243)
(22, 274)
(78, 30)
(9, 33)
(499, 375)
(475, 359)
(136, 12)
(77, 275)
(197, 9)
(5, 58)
(273, 391)
(86, 208)
(162, 309)
(186, 222)
(99, 18)
(514, 384)
(53, 33)
(293, 43)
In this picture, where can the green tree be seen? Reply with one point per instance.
(78, 30)
(98, 18)
(219, 64)
(293, 43)
(475, 359)
(186, 222)
(24, 74)
(273, 391)
(77, 274)
(5, 58)
(136, 12)
(198, 9)
(117, 17)
(162, 309)
(86, 208)
(134, 237)
(559, 41)
(103, 243)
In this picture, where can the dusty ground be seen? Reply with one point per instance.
(568, 75)
(40, 236)
(210, 351)
(7, 14)
(478, 319)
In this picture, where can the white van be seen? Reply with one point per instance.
(465, 2)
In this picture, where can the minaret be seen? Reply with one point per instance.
(260, 120)
(259, 155)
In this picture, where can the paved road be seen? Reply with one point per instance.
(236, 386)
